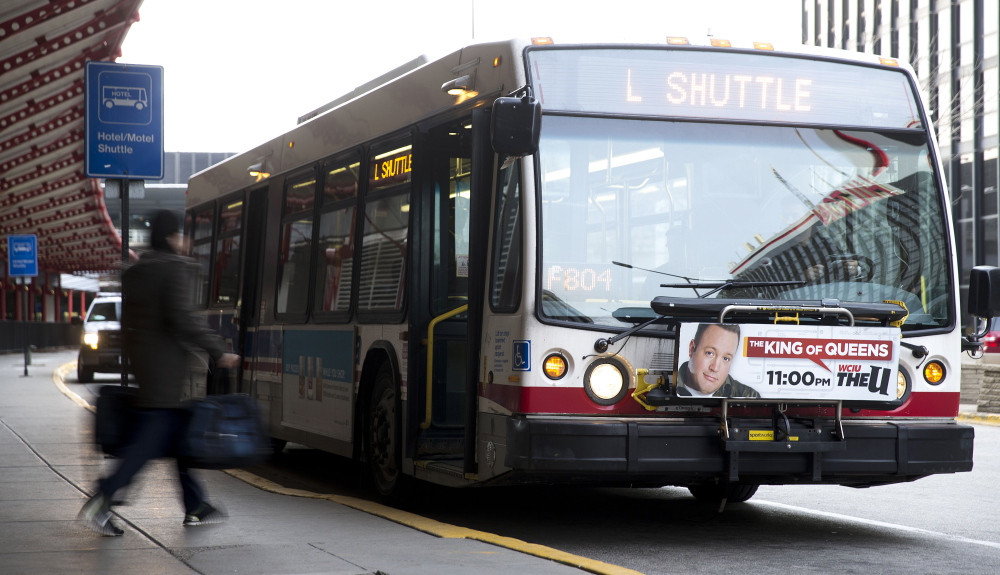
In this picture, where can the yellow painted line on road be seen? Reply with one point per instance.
(59, 378)
(412, 520)
(438, 528)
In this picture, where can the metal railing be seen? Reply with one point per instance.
(40, 334)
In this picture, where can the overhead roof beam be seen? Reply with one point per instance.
(103, 23)
(71, 139)
(20, 199)
(28, 20)
(70, 116)
(73, 93)
(76, 157)
(53, 74)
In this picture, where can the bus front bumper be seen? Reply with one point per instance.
(692, 450)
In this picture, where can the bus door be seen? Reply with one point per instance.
(247, 309)
(440, 309)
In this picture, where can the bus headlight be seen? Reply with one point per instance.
(605, 382)
(934, 372)
(90, 339)
(902, 384)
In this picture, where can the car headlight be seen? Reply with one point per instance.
(605, 382)
(90, 339)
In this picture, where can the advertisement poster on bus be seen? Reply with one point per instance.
(317, 381)
(773, 361)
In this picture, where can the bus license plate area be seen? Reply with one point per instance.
(797, 436)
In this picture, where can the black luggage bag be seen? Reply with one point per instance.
(116, 418)
(224, 432)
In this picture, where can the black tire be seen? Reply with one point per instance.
(84, 375)
(382, 437)
(731, 492)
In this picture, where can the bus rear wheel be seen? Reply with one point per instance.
(731, 492)
(382, 436)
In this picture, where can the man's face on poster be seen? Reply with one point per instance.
(711, 359)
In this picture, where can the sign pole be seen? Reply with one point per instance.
(24, 317)
(124, 194)
(22, 263)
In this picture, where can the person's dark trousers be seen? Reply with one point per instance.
(158, 434)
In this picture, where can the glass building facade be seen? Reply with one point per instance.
(953, 46)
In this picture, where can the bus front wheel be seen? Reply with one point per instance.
(731, 492)
(382, 435)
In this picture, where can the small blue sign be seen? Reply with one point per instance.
(124, 121)
(22, 256)
(522, 355)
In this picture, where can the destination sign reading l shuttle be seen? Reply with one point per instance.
(729, 86)
(739, 90)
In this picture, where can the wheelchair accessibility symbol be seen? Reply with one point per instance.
(522, 355)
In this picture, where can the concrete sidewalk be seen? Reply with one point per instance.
(49, 465)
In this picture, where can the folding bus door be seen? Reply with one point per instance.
(440, 309)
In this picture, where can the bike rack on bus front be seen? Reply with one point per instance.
(813, 442)
(780, 440)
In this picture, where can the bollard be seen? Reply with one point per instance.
(27, 358)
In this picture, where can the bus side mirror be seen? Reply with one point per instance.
(515, 125)
(984, 291)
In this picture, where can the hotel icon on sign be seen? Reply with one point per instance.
(124, 98)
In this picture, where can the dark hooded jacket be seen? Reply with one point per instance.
(159, 323)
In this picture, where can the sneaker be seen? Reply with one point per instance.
(96, 512)
(205, 515)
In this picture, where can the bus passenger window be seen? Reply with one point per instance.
(386, 222)
(199, 229)
(335, 259)
(383, 254)
(295, 246)
(226, 284)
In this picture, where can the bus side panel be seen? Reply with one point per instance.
(318, 380)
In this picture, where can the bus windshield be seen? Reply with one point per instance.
(851, 214)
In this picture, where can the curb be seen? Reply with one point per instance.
(984, 418)
(437, 528)
(411, 520)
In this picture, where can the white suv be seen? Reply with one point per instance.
(101, 348)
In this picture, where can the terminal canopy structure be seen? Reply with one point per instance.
(43, 186)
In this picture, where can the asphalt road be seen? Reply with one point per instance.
(940, 524)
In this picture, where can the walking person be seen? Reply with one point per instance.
(159, 328)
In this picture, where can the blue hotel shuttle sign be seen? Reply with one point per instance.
(124, 121)
(22, 256)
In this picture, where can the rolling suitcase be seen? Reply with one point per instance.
(116, 418)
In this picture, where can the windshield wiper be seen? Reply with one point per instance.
(715, 285)
(719, 286)
(685, 278)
